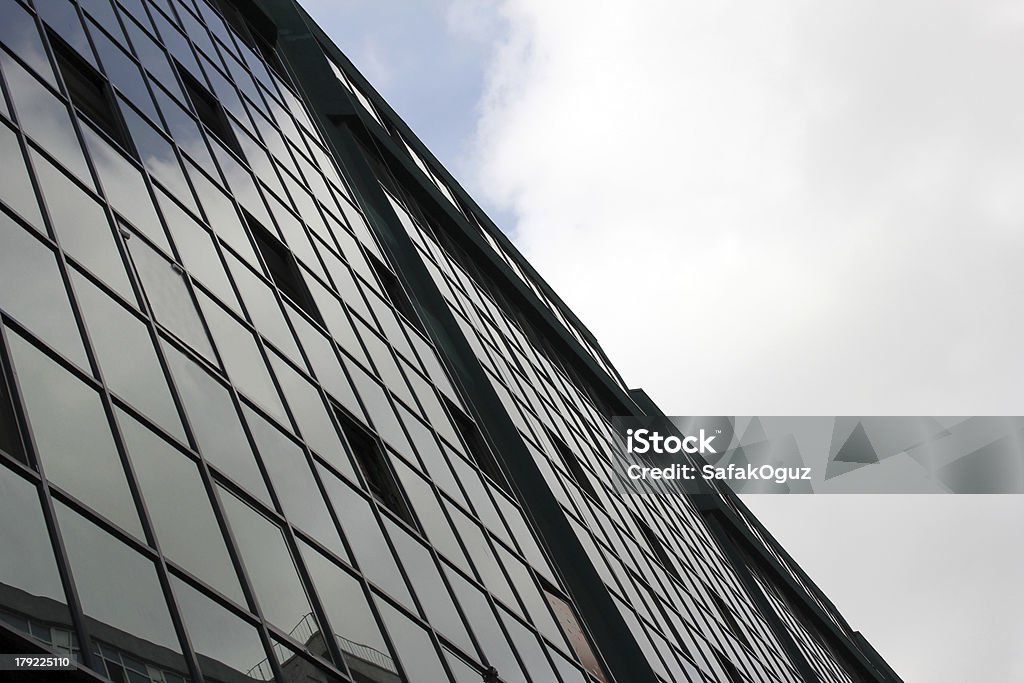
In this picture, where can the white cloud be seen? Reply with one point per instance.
(828, 196)
(794, 208)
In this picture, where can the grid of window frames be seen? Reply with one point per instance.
(428, 169)
(473, 298)
(688, 613)
(229, 451)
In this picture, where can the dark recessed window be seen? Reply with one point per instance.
(731, 672)
(283, 268)
(477, 447)
(656, 547)
(728, 617)
(394, 292)
(209, 111)
(574, 467)
(10, 434)
(89, 91)
(373, 465)
(251, 36)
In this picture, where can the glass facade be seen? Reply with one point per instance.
(240, 440)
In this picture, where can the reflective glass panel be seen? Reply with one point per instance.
(263, 309)
(15, 188)
(127, 356)
(352, 623)
(44, 118)
(365, 536)
(31, 290)
(125, 188)
(82, 228)
(18, 32)
(31, 595)
(179, 508)
(228, 648)
(415, 650)
(72, 435)
(311, 415)
(169, 296)
(270, 568)
(121, 596)
(293, 481)
(426, 580)
(215, 424)
(242, 359)
(197, 250)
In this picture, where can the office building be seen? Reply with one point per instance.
(278, 400)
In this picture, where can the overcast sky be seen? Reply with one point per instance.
(768, 208)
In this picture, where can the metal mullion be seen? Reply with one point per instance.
(284, 522)
(105, 399)
(236, 559)
(333, 649)
(74, 602)
(145, 520)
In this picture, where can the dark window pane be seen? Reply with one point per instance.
(31, 290)
(574, 467)
(352, 623)
(124, 605)
(31, 594)
(88, 91)
(215, 423)
(311, 415)
(72, 435)
(395, 292)
(127, 356)
(209, 111)
(60, 16)
(476, 446)
(228, 649)
(655, 544)
(373, 465)
(269, 565)
(180, 508)
(11, 441)
(283, 269)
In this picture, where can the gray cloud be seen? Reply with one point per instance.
(830, 194)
